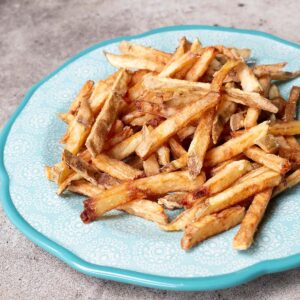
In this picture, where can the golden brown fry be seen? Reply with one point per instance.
(222, 116)
(126, 147)
(106, 117)
(173, 200)
(274, 92)
(176, 164)
(237, 121)
(285, 128)
(115, 168)
(249, 82)
(84, 93)
(211, 225)
(200, 143)
(133, 62)
(288, 182)
(274, 162)
(146, 209)
(244, 237)
(176, 148)
(268, 143)
(236, 145)
(170, 126)
(85, 188)
(118, 138)
(217, 168)
(291, 105)
(185, 132)
(66, 117)
(149, 53)
(283, 75)
(251, 117)
(163, 155)
(234, 53)
(263, 70)
(201, 65)
(137, 189)
(85, 115)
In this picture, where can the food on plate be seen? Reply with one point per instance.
(197, 130)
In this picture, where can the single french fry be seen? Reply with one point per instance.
(133, 62)
(285, 128)
(222, 116)
(173, 200)
(155, 185)
(84, 93)
(249, 82)
(176, 148)
(163, 155)
(146, 209)
(88, 171)
(236, 145)
(251, 117)
(85, 188)
(234, 53)
(220, 166)
(185, 132)
(183, 47)
(149, 53)
(253, 100)
(200, 143)
(211, 225)
(287, 183)
(115, 168)
(126, 147)
(283, 75)
(263, 70)
(200, 67)
(291, 105)
(268, 143)
(274, 162)
(169, 127)
(106, 117)
(151, 165)
(244, 237)
(237, 121)
(176, 164)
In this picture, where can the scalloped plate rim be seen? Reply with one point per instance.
(122, 275)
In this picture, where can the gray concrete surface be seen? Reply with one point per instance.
(35, 38)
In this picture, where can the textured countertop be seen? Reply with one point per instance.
(35, 38)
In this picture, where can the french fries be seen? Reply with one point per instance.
(197, 129)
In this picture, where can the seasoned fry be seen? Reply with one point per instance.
(274, 162)
(132, 62)
(149, 53)
(170, 126)
(236, 145)
(137, 189)
(200, 143)
(163, 155)
(115, 168)
(291, 105)
(285, 128)
(244, 237)
(200, 67)
(211, 225)
(146, 209)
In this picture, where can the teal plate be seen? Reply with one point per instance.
(121, 247)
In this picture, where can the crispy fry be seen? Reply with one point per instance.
(200, 67)
(163, 155)
(249, 82)
(170, 126)
(66, 117)
(274, 162)
(222, 116)
(106, 117)
(176, 164)
(287, 183)
(237, 121)
(149, 53)
(151, 165)
(118, 138)
(137, 189)
(85, 188)
(126, 147)
(173, 200)
(185, 132)
(268, 143)
(146, 209)
(285, 128)
(263, 70)
(176, 148)
(133, 62)
(211, 225)
(115, 168)
(236, 145)
(291, 105)
(244, 237)
(200, 143)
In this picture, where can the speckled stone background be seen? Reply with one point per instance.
(35, 38)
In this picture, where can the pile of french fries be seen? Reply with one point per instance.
(198, 129)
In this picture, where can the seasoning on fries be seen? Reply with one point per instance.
(197, 129)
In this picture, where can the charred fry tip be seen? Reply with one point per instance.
(88, 215)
